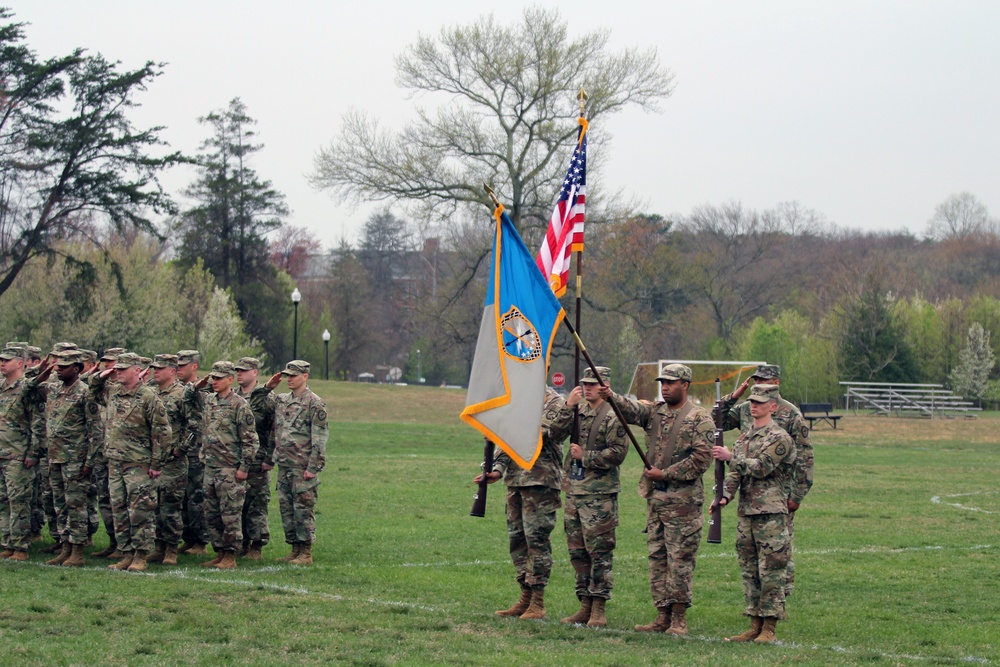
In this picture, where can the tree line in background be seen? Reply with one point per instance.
(80, 260)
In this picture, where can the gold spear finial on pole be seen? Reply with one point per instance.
(582, 97)
(489, 191)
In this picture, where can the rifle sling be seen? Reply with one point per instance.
(595, 425)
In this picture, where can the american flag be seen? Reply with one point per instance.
(565, 232)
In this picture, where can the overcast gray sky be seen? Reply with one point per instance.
(871, 112)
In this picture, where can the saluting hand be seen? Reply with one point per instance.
(274, 381)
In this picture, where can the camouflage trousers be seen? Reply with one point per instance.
(170, 488)
(790, 577)
(531, 516)
(42, 508)
(16, 484)
(69, 496)
(224, 497)
(762, 547)
(104, 497)
(297, 502)
(195, 531)
(673, 534)
(255, 507)
(133, 504)
(590, 523)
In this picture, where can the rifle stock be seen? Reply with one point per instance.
(715, 520)
(479, 500)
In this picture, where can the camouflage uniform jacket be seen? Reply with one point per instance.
(73, 426)
(761, 463)
(261, 402)
(22, 426)
(547, 470)
(228, 430)
(692, 453)
(138, 430)
(300, 431)
(789, 418)
(177, 414)
(600, 463)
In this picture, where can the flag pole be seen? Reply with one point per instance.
(582, 99)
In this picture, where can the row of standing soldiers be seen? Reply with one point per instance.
(771, 465)
(157, 453)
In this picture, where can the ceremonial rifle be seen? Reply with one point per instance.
(715, 521)
(479, 500)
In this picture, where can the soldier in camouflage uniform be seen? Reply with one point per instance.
(790, 419)
(107, 361)
(591, 481)
(136, 442)
(174, 474)
(195, 530)
(300, 433)
(229, 445)
(533, 496)
(760, 465)
(89, 359)
(73, 436)
(21, 437)
(679, 437)
(255, 531)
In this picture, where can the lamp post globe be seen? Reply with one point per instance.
(326, 344)
(296, 297)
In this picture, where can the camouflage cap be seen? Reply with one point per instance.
(768, 372)
(127, 360)
(34, 352)
(673, 372)
(68, 357)
(248, 364)
(111, 354)
(88, 356)
(185, 357)
(13, 352)
(62, 347)
(164, 361)
(18, 343)
(296, 367)
(222, 369)
(589, 378)
(145, 362)
(762, 393)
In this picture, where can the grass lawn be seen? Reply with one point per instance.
(897, 551)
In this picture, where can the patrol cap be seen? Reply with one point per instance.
(296, 367)
(222, 369)
(12, 352)
(111, 354)
(673, 372)
(145, 362)
(34, 352)
(88, 356)
(762, 393)
(589, 378)
(248, 364)
(768, 372)
(68, 357)
(185, 357)
(164, 361)
(62, 347)
(127, 360)
(18, 343)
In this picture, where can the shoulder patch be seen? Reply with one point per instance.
(620, 432)
(248, 419)
(93, 409)
(321, 415)
(781, 450)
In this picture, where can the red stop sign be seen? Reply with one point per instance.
(558, 379)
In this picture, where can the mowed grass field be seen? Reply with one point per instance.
(897, 549)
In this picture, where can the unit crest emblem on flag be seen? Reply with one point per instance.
(520, 338)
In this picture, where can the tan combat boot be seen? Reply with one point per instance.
(64, 551)
(660, 624)
(520, 606)
(536, 609)
(52, 548)
(766, 635)
(228, 561)
(157, 556)
(138, 563)
(219, 553)
(597, 619)
(755, 626)
(197, 550)
(35, 538)
(296, 548)
(20, 556)
(6, 553)
(75, 558)
(106, 551)
(678, 619)
(583, 615)
(124, 563)
(305, 556)
(169, 555)
(255, 552)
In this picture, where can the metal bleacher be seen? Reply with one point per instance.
(904, 398)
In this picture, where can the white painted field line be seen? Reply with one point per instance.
(937, 500)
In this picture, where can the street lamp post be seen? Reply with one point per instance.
(420, 375)
(296, 297)
(326, 344)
